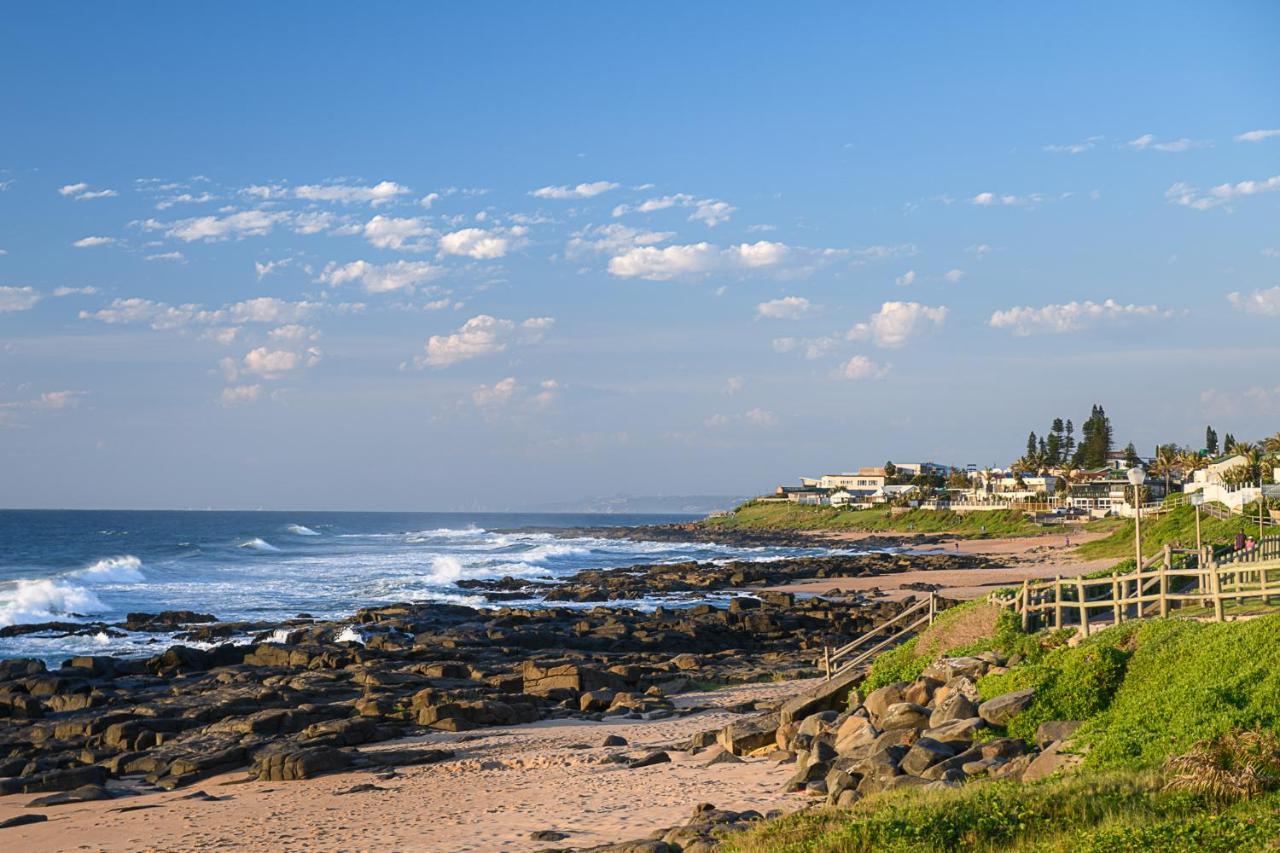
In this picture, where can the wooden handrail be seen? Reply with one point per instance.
(829, 657)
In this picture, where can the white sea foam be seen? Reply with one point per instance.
(126, 569)
(257, 544)
(279, 635)
(301, 530)
(350, 635)
(27, 602)
(445, 569)
(102, 639)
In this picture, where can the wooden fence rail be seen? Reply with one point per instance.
(1176, 577)
(917, 616)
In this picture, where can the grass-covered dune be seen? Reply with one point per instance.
(756, 515)
(1147, 693)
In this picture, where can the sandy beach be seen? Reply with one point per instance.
(502, 785)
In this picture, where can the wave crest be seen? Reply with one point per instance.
(29, 602)
(301, 530)
(258, 544)
(125, 569)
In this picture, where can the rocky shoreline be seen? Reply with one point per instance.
(301, 698)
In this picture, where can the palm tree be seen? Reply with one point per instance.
(1166, 462)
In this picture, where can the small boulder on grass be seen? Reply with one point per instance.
(1000, 710)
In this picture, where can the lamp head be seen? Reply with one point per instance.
(1197, 499)
(1137, 476)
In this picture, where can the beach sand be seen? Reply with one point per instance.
(502, 785)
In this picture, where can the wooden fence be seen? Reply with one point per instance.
(917, 616)
(1174, 578)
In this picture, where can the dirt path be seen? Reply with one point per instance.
(503, 784)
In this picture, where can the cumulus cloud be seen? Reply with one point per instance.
(380, 193)
(176, 257)
(381, 278)
(161, 316)
(709, 211)
(293, 333)
(990, 199)
(265, 269)
(225, 336)
(896, 322)
(860, 367)
(734, 384)
(907, 278)
(1070, 316)
(13, 299)
(1186, 195)
(82, 192)
(661, 264)
(480, 243)
(1257, 135)
(1264, 302)
(209, 229)
(270, 364)
(1074, 147)
(497, 394)
(588, 190)
(760, 417)
(953, 276)
(785, 308)
(92, 242)
(480, 336)
(185, 198)
(74, 291)
(408, 234)
(613, 238)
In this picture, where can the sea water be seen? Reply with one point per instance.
(88, 566)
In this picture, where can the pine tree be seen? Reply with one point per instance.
(1069, 444)
(1211, 440)
(1096, 440)
(1031, 447)
(1228, 443)
(1131, 456)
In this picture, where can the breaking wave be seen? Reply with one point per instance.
(301, 530)
(258, 544)
(126, 569)
(28, 602)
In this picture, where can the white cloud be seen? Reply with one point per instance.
(479, 243)
(884, 253)
(387, 232)
(669, 262)
(245, 223)
(1257, 135)
(612, 238)
(896, 322)
(480, 336)
(168, 256)
(1070, 317)
(953, 276)
(1264, 302)
(1188, 196)
(710, 211)
(225, 335)
(907, 278)
(185, 198)
(263, 309)
(811, 348)
(91, 242)
(264, 270)
(380, 193)
(293, 333)
(1148, 141)
(384, 278)
(74, 291)
(785, 308)
(497, 394)
(990, 199)
(81, 192)
(236, 395)
(272, 364)
(13, 299)
(59, 400)
(734, 384)
(428, 200)
(268, 309)
(860, 367)
(589, 190)
(1074, 147)
(314, 221)
(760, 417)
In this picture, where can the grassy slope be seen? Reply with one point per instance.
(776, 516)
(1146, 690)
(1176, 526)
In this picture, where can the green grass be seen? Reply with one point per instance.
(1175, 526)
(755, 515)
(1114, 811)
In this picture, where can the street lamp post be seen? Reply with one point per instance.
(1197, 500)
(1137, 477)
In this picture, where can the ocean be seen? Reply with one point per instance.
(98, 565)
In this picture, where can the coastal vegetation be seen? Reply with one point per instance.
(1176, 737)
(1177, 527)
(759, 515)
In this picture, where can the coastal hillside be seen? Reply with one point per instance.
(758, 515)
(1155, 735)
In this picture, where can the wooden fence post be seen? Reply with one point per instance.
(1084, 610)
(826, 660)
(1057, 601)
(1117, 611)
(1026, 607)
(1217, 593)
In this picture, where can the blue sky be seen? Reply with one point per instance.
(436, 258)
